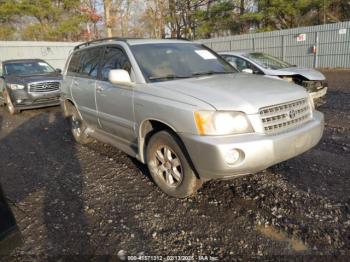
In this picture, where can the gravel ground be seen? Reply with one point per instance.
(97, 203)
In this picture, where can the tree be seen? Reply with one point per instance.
(108, 21)
(41, 19)
(9, 14)
(78, 20)
(89, 8)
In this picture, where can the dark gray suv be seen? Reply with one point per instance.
(184, 111)
(28, 83)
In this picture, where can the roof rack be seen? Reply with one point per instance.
(177, 38)
(102, 40)
(118, 39)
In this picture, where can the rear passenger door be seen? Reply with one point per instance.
(115, 102)
(84, 69)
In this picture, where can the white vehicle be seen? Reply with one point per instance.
(263, 64)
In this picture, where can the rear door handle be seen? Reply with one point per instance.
(99, 88)
(76, 83)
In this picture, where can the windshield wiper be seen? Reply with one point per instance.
(210, 73)
(167, 77)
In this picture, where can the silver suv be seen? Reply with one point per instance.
(184, 111)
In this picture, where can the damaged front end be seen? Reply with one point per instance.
(316, 88)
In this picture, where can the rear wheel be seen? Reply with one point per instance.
(9, 105)
(169, 166)
(78, 127)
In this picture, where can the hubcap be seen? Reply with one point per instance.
(167, 166)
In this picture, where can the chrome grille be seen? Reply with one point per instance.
(284, 117)
(44, 87)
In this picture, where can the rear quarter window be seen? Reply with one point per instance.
(73, 67)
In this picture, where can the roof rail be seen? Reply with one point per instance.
(102, 40)
(178, 38)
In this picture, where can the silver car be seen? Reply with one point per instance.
(184, 111)
(263, 64)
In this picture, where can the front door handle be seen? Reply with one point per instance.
(99, 88)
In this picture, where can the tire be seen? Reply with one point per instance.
(9, 105)
(169, 167)
(78, 126)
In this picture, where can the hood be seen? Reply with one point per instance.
(237, 92)
(25, 79)
(309, 73)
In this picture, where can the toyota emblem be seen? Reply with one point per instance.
(292, 114)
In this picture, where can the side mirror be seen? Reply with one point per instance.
(119, 77)
(247, 70)
(58, 70)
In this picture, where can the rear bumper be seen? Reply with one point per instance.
(258, 151)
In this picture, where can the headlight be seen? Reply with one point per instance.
(16, 86)
(222, 123)
(288, 79)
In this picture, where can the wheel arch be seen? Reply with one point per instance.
(66, 105)
(147, 128)
(151, 126)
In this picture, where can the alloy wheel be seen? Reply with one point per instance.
(168, 166)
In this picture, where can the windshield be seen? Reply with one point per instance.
(27, 68)
(169, 61)
(267, 61)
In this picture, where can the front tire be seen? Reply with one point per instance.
(169, 166)
(78, 127)
(9, 105)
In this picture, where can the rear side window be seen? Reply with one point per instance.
(85, 63)
(114, 59)
(89, 63)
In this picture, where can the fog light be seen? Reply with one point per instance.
(232, 156)
(19, 101)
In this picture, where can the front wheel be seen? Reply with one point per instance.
(78, 127)
(9, 105)
(169, 166)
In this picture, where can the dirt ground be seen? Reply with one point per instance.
(95, 202)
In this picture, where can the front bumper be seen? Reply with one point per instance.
(22, 99)
(259, 151)
(319, 93)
